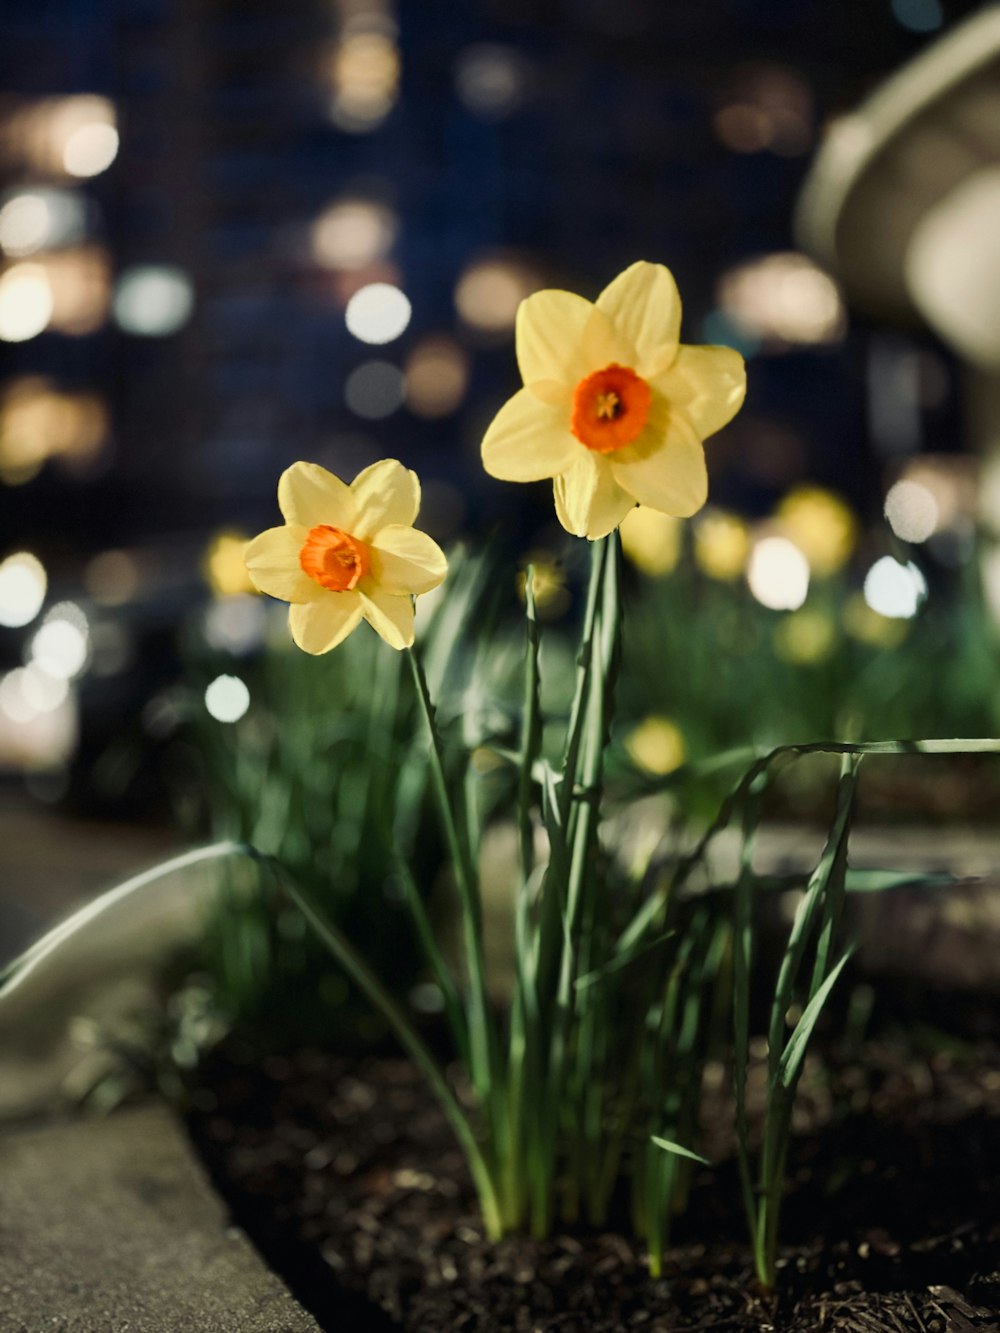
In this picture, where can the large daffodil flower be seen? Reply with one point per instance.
(613, 407)
(347, 553)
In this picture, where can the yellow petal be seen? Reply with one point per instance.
(665, 467)
(709, 383)
(390, 616)
(272, 561)
(309, 495)
(528, 440)
(320, 625)
(645, 306)
(589, 501)
(384, 493)
(549, 334)
(406, 561)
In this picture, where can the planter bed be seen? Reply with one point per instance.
(349, 1181)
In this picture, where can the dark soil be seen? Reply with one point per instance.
(348, 1179)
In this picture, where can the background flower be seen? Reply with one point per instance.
(347, 553)
(613, 408)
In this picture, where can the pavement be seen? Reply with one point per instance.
(108, 1225)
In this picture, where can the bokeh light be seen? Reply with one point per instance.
(39, 421)
(766, 107)
(90, 149)
(437, 375)
(652, 541)
(375, 390)
(918, 15)
(894, 590)
(224, 565)
(365, 71)
(227, 698)
(778, 574)
(784, 300)
(821, 525)
(23, 584)
(377, 313)
(353, 233)
(489, 291)
(26, 302)
(656, 745)
(153, 300)
(721, 544)
(911, 511)
(490, 79)
(60, 646)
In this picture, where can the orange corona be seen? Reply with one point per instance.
(335, 559)
(610, 408)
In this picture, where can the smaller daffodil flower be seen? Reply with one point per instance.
(347, 553)
(613, 408)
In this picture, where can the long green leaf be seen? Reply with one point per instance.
(677, 1150)
(790, 1064)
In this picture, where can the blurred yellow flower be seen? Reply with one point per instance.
(721, 545)
(652, 541)
(821, 525)
(656, 745)
(866, 625)
(548, 583)
(347, 553)
(805, 637)
(613, 408)
(224, 565)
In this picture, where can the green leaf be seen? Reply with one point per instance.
(669, 1146)
(790, 1064)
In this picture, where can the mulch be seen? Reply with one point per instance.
(346, 1176)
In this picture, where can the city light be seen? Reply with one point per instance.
(783, 299)
(61, 646)
(912, 511)
(374, 390)
(778, 574)
(894, 590)
(90, 149)
(489, 292)
(353, 233)
(25, 302)
(153, 300)
(23, 584)
(490, 79)
(437, 374)
(377, 313)
(38, 219)
(227, 698)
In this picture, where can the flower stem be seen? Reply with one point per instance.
(481, 1043)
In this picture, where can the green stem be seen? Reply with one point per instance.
(366, 980)
(481, 1046)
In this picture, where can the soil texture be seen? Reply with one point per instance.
(347, 1177)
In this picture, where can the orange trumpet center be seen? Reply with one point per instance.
(610, 408)
(335, 559)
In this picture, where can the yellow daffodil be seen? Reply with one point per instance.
(656, 745)
(821, 525)
(613, 408)
(224, 565)
(347, 553)
(721, 545)
(805, 637)
(651, 541)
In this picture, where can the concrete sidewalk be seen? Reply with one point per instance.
(109, 1226)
